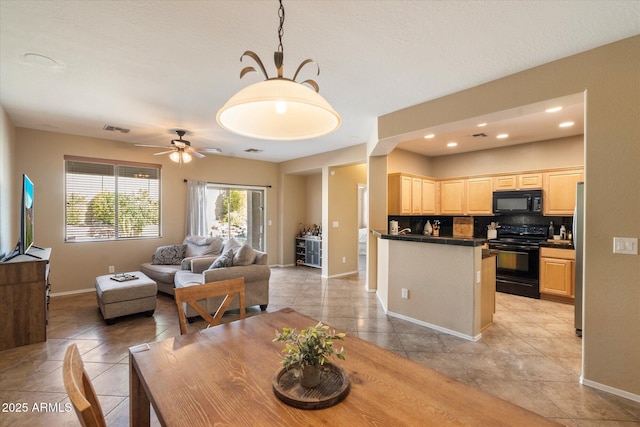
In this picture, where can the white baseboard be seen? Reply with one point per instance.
(342, 274)
(436, 327)
(81, 291)
(608, 389)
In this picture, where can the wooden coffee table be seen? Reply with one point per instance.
(224, 375)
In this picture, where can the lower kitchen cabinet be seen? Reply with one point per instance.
(557, 272)
(309, 252)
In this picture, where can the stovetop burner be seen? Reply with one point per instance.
(521, 234)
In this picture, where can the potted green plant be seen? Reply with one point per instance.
(307, 352)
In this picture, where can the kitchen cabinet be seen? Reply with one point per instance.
(411, 195)
(529, 181)
(399, 194)
(452, 197)
(506, 182)
(557, 272)
(429, 194)
(479, 196)
(416, 195)
(560, 191)
(523, 181)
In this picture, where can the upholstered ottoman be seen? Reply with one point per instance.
(129, 297)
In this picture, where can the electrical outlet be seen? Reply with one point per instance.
(344, 259)
(112, 269)
(405, 293)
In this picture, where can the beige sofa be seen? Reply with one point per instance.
(256, 281)
(190, 264)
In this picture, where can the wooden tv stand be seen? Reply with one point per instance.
(24, 297)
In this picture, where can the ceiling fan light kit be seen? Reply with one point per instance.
(278, 108)
(181, 151)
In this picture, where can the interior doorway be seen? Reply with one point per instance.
(363, 227)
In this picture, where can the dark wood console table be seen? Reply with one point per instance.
(24, 293)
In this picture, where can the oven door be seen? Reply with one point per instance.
(518, 269)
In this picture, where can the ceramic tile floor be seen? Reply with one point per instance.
(530, 356)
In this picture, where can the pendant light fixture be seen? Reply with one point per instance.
(278, 108)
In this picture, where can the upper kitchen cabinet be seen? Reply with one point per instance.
(529, 180)
(452, 197)
(560, 191)
(429, 195)
(399, 194)
(517, 182)
(479, 195)
(416, 195)
(505, 182)
(411, 195)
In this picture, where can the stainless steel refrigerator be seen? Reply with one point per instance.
(578, 243)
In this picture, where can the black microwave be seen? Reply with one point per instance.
(517, 202)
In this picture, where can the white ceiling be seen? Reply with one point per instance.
(156, 66)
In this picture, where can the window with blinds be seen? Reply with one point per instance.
(111, 200)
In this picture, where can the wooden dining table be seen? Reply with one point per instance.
(224, 376)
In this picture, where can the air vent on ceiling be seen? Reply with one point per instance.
(252, 150)
(479, 135)
(111, 128)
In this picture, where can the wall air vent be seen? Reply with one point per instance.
(479, 135)
(115, 129)
(252, 150)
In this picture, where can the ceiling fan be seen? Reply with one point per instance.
(181, 151)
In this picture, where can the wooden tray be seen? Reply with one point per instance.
(333, 388)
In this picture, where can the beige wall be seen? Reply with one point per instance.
(556, 153)
(75, 265)
(408, 162)
(314, 200)
(292, 213)
(343, 208)
(610, 75)
(10, 187)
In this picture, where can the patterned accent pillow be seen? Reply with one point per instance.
(224, 260)
(169, 255)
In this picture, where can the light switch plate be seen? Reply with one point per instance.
(335, 224)
(625, 245)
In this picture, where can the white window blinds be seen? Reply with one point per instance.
(111, 200)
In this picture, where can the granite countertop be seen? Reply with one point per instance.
(442, 240)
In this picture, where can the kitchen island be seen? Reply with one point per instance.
(437, 282)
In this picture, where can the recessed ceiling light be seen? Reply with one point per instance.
(502, 135)
(566, 124)
(553, 109)
(429, 136)
(452, 144)
(480, 125)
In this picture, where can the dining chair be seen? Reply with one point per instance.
(80, 389)
(192, 295)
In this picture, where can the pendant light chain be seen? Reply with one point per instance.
(280, 29)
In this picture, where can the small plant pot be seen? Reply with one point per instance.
(310, 376)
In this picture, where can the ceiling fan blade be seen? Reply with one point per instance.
(209, 150)
(194, 152)
(163, 152)
(147, 145)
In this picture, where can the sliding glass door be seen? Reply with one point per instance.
(238, 212)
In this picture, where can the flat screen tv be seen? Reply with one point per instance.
(25, 241)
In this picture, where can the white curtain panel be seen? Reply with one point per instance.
(196, 208)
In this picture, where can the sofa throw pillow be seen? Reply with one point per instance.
(169, 255)
(224, 260)
(231, 244)
(244, 256)
(201, 246)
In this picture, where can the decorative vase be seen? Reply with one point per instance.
(428, 229)
(310, 376)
